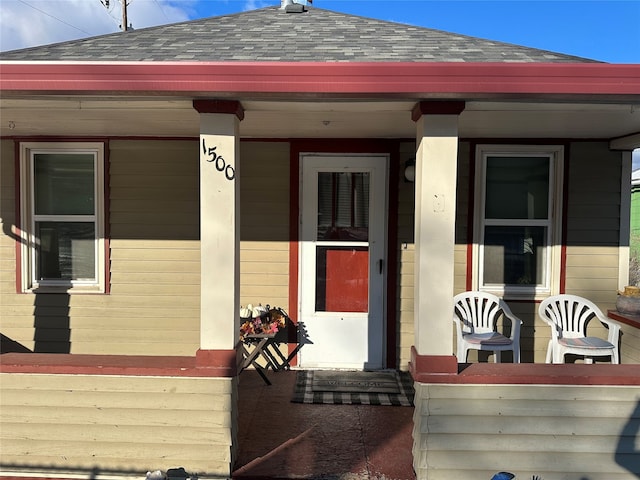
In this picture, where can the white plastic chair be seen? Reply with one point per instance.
(475, 315)
(568, 317)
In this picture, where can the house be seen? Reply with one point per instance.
(155, 180)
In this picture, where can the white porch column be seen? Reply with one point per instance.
(219, 226)
(435, 208)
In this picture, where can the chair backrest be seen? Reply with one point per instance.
(478, 311)
(568, 315)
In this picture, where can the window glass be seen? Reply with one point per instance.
(343, 206)
(66, 250)
(64, 184)
(514, 255)
(517, 187)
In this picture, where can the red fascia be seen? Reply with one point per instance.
(320, 78)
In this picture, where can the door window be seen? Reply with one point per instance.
(342, 272)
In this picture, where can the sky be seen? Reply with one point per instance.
(606, 30)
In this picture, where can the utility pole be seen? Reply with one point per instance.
(125, 25)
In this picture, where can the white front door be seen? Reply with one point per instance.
(343, 260)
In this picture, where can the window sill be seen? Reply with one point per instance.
(68, 290)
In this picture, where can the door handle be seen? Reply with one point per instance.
(380, 266)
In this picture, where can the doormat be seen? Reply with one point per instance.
(354, 388)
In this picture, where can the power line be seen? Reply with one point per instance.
(124, 22)
(55, 18)
(108, 6)
(161, 9)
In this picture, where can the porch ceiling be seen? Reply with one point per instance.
(84, 116)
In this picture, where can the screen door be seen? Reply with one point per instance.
(342, 262)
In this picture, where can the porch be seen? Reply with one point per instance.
(280, 439)
(86, 416)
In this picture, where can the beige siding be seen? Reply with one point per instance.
(406, 331)
(110, 425)
(264, 226)
(153, 307)
(16, 311)
(405, 255)
(593, 231)
(154, 303)
(7, 221)
(592, 272)
(630, 344)
(593, 222)
(569, 432)
(462, 213)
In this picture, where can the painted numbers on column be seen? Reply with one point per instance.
(219, 162)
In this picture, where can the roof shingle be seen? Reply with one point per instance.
(271, 34)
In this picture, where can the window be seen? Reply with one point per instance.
(62, 216)
(517, 220)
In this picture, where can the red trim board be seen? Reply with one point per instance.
(376, 78)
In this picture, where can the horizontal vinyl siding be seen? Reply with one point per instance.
(154, 304)
(462, 233)
(264, 225)
(593, 234)
(592, 272)
(630, 344)
(110, 424)
(13, 308)
(405, 338)
(569, 432)
(593, 226)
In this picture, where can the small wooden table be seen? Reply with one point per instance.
(266, 347)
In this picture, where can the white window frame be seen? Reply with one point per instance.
(551, 286)
(29, 282)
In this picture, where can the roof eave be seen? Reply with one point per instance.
(595, 82)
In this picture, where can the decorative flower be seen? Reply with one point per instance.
(269, 321)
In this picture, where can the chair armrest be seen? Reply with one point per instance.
(614, 329)
(458, 323)
(516, 322)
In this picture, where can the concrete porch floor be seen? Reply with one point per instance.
(279, 439)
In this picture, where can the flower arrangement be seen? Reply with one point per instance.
(261, 320)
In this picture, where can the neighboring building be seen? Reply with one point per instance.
(155, 180)
(635, 202)
(634, 238)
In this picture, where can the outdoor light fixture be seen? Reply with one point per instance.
(410, 170)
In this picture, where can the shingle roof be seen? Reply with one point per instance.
(271, 34)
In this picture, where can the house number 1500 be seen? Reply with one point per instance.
(220, 164)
